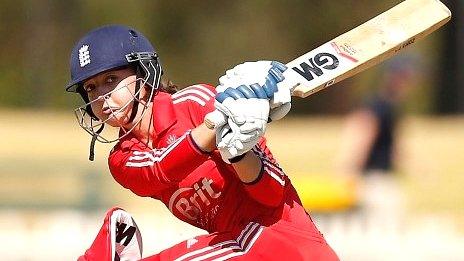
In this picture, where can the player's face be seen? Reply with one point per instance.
(112, 94)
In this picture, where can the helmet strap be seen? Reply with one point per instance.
(92, 142)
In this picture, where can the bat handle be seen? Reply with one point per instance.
(215, 119)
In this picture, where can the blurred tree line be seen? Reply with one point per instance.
(199, 40)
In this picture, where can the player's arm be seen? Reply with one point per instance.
(263, 179)
(249, 167)
(204, 138)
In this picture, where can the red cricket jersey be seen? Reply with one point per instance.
(198, 187)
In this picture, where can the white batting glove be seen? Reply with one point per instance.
(232, 143)
(265, 74)
(249, 114)
(246, 123)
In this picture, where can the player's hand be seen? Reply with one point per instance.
(250, 114)
(232, 143)
(266, 78)
(262, 80)
(246, 116)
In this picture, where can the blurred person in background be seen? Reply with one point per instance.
(369, 145)
(223, 180)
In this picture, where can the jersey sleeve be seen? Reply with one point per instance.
(147, 171)
(195, 101)
(268, 188)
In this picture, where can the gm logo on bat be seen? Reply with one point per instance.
(320, 61)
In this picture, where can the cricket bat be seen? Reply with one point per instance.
(360, 48)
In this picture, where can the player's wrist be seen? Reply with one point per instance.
(237, 158)
(257, 178)
(248, 168)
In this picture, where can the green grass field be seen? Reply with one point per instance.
(44, 160)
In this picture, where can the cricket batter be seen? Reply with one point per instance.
(224, 181)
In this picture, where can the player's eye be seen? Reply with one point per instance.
(89, 87)
(111, 79)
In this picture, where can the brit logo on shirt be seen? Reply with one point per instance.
(190, 202)
(84, 55)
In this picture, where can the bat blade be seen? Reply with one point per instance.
(358, 49)
(364, 46)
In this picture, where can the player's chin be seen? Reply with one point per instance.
(116, 121)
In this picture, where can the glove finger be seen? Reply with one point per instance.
(237, 112)
(233, 151)
(249, 127)
(235, 129)
(223, 136)
(224, 144)
(239, 145)
(245, 138)
(222, 106)
(230, 108)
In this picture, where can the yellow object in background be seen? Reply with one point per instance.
(325, 193)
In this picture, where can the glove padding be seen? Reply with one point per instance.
(232, 143)
(244, 96)
(265, 74)
(246, 123)
(249, 114)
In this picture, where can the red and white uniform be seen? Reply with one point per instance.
(263, 220)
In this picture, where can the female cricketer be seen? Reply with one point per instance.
(224, 181)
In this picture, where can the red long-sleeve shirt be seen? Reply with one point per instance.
(198, 187)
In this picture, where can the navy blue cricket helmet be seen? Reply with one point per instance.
(107, 48)
(110, 47)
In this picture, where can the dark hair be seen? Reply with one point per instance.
(168, 86)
